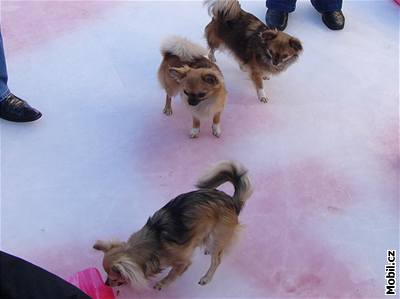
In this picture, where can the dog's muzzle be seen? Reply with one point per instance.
(107, 283)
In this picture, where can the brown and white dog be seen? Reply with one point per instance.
(258, 49)
(204, 217)
(186, 70)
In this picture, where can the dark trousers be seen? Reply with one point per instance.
(22, 280)
(4, 91)
(290, 5)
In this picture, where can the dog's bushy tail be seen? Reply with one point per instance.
(224, 10)
(183, 48)
(228, 171)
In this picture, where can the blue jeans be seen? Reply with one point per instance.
(320, 5)
(4, 91)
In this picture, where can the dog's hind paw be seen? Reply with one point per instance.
(264, 100)
(158, 286)
(211, 56)
(204, 280)
(206, 251)
(167, 111)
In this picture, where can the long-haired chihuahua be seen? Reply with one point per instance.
(258, 49)
(186, 70)
(204, 217)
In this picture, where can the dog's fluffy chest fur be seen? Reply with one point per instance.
(205, 109)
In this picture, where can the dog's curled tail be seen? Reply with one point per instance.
(224, 10)
(183, 48)
(228, 171)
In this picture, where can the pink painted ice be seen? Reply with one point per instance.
(90, 282)
(323, 154)
(30, 24)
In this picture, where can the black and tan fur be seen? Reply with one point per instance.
(258, 49)
(204, 217)
(186, 70)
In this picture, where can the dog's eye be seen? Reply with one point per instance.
(201, 94)
(185, 92)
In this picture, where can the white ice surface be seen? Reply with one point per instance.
(103, 157)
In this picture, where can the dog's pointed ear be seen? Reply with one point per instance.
(178, 73)
(269, 34)
(106, 246)
(210, 79)
(295, 44)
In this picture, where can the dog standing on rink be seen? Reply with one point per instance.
(204, 217)
(186, 70)
(258, 49)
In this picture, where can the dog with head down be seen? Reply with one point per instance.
(204, 217)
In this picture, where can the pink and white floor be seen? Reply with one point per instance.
(323, 154)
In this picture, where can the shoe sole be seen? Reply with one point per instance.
(22, 120)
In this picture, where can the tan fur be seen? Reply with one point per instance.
(184, 71)
(205, 217)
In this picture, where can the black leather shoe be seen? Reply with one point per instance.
(333, 19)
(18, 110)
(276, 19)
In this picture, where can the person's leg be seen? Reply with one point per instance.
(327, 5)
(4, 91)
(277, 13)
(20, 279)
(331, 11)
(281, 5)
(12, 108)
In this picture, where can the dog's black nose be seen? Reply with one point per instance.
(193, 101)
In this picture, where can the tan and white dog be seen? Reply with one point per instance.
(186, 70)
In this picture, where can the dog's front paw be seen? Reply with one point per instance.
(266, 78)
(158, 286)
(206, 251)
(204, 280)
(167, 111)
(194, 133)
(216, 130)
(262, 96)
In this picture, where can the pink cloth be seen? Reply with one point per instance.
(90, 282)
